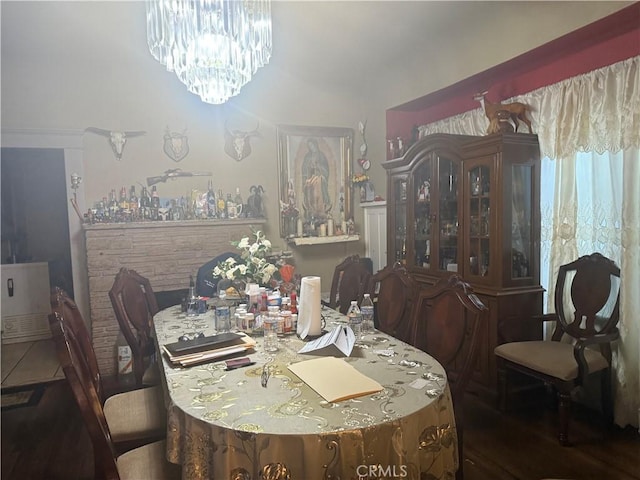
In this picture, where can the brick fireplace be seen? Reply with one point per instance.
(164, 252)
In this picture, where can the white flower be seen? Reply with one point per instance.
(252, 267)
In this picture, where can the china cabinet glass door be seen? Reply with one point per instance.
(447, 215)
(423, 214)
(479, 218)
(521, 221)
(399, 225)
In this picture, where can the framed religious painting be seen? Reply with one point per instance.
(314, 170)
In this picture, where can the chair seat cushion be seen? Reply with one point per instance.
(147, 462)
(551, 358)
(135, 415)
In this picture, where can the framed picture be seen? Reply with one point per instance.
(314, 174)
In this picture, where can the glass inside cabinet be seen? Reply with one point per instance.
(447, 215)
(479, 220)
(400, 222)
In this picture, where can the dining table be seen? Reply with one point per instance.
(233, 425)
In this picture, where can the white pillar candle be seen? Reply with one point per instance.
(330, 227)
(323, 229)
(299, 227)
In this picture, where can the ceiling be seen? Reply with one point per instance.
(332, 43)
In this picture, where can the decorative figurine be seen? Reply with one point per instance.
(255, 204)
(517, 111)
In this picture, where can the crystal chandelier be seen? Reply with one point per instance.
(213, 46)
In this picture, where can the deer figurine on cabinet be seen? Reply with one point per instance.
(517, 112)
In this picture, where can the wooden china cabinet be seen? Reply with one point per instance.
(470, 205)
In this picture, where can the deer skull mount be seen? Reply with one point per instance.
(237, 142)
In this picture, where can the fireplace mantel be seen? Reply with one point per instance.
(164, 252)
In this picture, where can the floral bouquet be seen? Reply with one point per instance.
(253, 266)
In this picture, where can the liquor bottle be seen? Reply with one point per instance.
(211, 201)
(155, 203)
(354, 316)
(145, 204)
(221, 205)
(366, 308)
(238, 203)
(231, 207)
(134, 206)
(123, 202)
(113, 204)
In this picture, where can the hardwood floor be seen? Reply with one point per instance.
(49, 442)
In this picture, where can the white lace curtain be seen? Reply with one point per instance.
(588, 127)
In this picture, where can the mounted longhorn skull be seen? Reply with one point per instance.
(236, 142)
(116, 139)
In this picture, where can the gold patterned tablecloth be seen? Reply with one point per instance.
(223, 425)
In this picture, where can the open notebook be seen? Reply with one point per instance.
(334, 379)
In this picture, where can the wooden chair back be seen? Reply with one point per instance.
(351, 280)
(447, 322)
(134, 305)
(587, 299)
(395, 292)
(71, 355)
(67, 311)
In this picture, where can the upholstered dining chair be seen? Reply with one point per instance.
(587, 298)
(134, 304)
(133, 416)
(351, 280)
(447, 322)
(144, 462)
(394, 293)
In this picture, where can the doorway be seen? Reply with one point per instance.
(35, 211)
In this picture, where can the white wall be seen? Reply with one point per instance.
(58, 73)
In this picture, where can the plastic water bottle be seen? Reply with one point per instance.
(366, 308)
(355, 318)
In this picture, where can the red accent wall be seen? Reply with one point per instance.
(604, 42)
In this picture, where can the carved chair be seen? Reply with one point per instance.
(447, 322)
(587, 297)
(146, 462)
(134, 416)
(134, 305)
(351, 280)
(394, 294)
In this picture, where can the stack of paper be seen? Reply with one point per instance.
(207, 349)
(334, 379)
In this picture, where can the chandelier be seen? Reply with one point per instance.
(213, 46)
